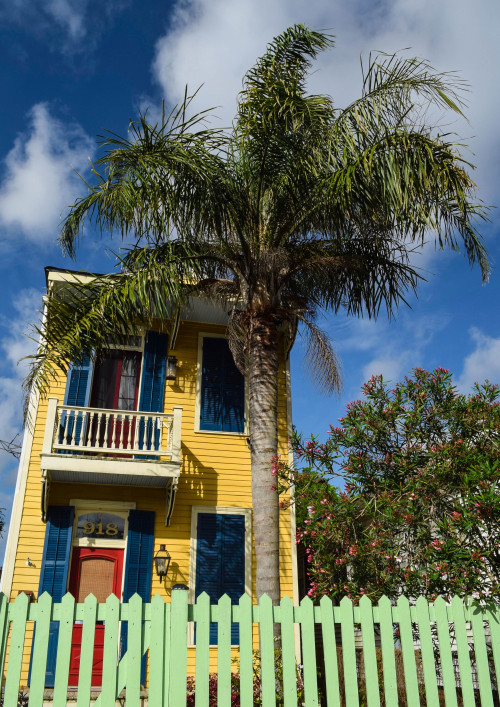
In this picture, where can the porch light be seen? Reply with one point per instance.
(162, 562)
(171, 368)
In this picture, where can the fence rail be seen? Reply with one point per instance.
(427, 637)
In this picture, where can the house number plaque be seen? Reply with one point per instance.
(100, 526)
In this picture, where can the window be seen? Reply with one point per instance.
(221, 557)
(222, 389)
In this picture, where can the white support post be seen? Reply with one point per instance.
(50, 423)
(176, 435)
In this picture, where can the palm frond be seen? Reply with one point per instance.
(322, 363)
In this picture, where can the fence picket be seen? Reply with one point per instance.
(481, 655)
(266, 631)
(463, 651)
(66, 623)
(110, 653)
(309, 652)
(388, 654)
(4, 629)
(493, 618)
(40, 649)
(369, 652)
(134, 649)
(349, 653)
(427, 652)
(447, 670)
(161, 625)
(224, 652)
(87, 651)
(246, 650)
(202, 618)
(330, 653)
(18, 615)
(288, 653)
(408, 650)
(178, 645)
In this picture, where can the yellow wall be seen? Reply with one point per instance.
(215, 471)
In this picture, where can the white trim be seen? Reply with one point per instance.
(220, 510)
(197, 407)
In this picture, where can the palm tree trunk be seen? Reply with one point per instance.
(263, 387)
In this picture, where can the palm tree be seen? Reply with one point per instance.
(299, 208)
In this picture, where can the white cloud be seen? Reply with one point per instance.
(39, 179)
(213, 42)
(483, 363)
(15, 345)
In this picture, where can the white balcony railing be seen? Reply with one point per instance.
(96, 431)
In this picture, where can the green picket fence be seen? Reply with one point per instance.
(433, 654)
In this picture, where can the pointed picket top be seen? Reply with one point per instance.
(90, 600)
(422, 603)
(23, 599)
(157, 601)
(134, 597)
(306, 601)
(325, 601)
(245, 600)
(365, 601)
(202, 598)
(403, 602)
(45, 600)
(265, 600)
(224, 600)
(440, 605)
(345, 602)
(42, 597)
(286, 601)
(68, 598)
(384, 602)
(113, 601)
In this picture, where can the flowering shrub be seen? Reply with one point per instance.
(420, 508)
(235, 683)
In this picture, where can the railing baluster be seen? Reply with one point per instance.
(108, 434)
(122, 430)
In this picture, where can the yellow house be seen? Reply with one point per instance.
(136, 454)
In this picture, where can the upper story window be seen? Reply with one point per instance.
(222, 389)
(130, 375)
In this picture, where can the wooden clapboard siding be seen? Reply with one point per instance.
(215, 471)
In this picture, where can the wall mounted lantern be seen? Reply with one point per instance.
(171, 368)
(162, 562)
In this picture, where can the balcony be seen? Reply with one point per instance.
(98, 446)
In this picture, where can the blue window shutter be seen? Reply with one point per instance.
(153, 383)
(77, 394)
(54, 572)
(222, 406)
(220, 561)
(138, 566)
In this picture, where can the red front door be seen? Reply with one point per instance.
(96, 571)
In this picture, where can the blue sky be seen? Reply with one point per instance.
(73, 68)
